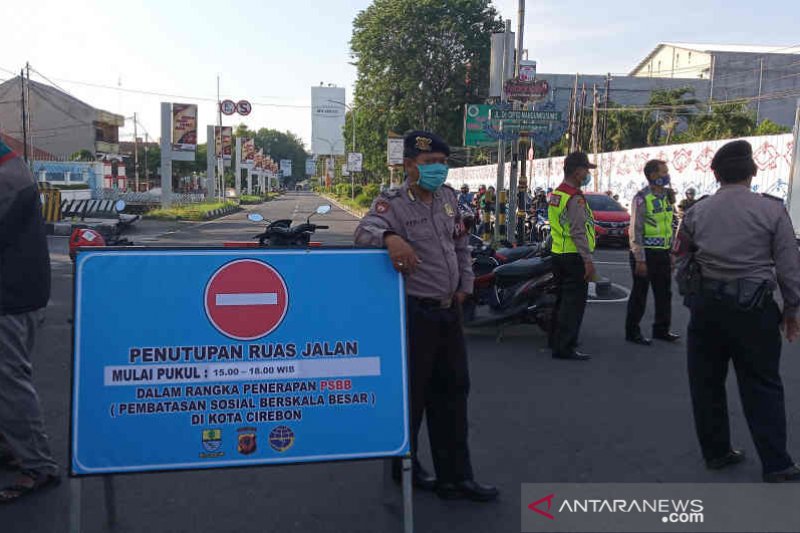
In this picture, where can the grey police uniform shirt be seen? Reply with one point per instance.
(638, 218)
(739, 234)
(434, 231)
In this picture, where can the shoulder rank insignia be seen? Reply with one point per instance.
(449, 209)
(381, 207)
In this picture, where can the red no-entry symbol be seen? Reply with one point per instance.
(246, 299)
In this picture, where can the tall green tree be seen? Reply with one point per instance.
(725, 121)
(767, 127)
(279, 145)
(418, 62)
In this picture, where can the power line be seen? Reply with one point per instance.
(51, 82)
(769, 96)
(168, 95)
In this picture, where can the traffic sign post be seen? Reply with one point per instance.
(243, 107)
(228, 107)
(246, 359)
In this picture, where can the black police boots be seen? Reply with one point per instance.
(467, 490)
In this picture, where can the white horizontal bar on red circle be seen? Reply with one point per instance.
(248, 298)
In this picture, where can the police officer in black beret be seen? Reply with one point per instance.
(733, 250)
(420, 225)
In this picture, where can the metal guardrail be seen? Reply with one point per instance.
(147, 198)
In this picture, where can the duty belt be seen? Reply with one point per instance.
(744, 293)
(433, 303)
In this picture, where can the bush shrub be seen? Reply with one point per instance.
(372, 190)
(363, 200)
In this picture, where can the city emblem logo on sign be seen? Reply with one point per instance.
(246, 299)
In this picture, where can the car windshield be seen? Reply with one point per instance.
(603, 203)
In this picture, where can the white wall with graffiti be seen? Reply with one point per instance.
(622, 172)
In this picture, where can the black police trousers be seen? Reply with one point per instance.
(570, 304)
(439, 386)
(720, 332)
(659, 276)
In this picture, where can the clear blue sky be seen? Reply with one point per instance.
(272, 52)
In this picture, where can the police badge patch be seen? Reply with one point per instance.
(381, 207)
(424, 144)
(554, 200)
(459, 229)
(247, 440)
(449, 210)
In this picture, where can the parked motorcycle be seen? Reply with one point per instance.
(85, 236)
(537, 226)
(281, 232)
(522, 291)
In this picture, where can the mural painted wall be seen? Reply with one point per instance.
(622, 172)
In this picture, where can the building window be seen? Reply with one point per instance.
(677, 59)
(690, 58)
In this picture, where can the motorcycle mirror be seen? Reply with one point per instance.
(120, 206)
(255, 217)
(323, 209)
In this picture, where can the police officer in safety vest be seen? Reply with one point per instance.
(572, 231)
(651, 257)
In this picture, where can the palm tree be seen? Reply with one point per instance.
(671, 107)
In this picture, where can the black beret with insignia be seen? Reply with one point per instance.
(733, 152)
(417, 142)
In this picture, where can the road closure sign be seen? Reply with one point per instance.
(223, 358)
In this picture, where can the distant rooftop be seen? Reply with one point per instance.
(741, 48)
(713, 47)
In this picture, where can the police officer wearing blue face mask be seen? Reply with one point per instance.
(572, 230)
(651, 261)
(420, 226)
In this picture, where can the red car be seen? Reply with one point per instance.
(611, 220)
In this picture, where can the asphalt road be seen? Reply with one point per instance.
(624, 416)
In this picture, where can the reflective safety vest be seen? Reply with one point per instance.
(559, 225)
(658, 222)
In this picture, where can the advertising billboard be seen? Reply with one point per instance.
(327, 120)
(184, 132)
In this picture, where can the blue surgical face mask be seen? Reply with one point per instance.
(433, 176)
(586, 180)
(663, 181)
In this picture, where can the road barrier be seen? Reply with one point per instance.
(230, 373)
(51, 202)
(84, 208)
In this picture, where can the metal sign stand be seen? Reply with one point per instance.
(76, 500)
(408, 491)
(75, 490)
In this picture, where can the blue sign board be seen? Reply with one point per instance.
(190, 359)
